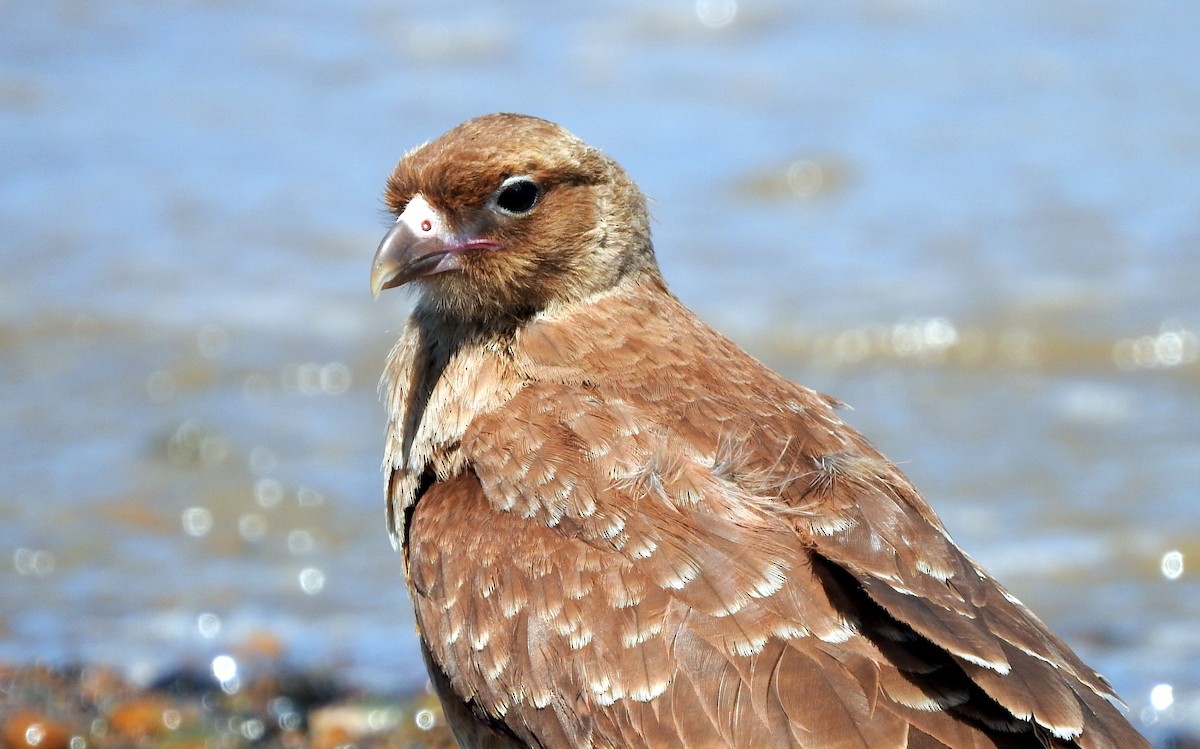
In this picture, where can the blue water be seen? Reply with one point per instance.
(979, 224)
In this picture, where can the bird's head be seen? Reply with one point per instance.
(506, 215)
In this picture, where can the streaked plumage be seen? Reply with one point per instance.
(621, 530)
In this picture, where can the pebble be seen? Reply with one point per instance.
(31, 729)
(139, 719)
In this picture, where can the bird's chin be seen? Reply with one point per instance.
(431, 265)
(388, 274)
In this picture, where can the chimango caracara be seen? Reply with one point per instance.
(621, 530)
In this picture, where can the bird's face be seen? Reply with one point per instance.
(506, 214)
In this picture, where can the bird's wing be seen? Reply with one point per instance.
(658, 541)
(550, 641)
(597, 577)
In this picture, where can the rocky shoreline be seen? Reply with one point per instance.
(95, 707)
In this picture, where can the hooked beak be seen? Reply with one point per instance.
(417, 245)
(420, 244)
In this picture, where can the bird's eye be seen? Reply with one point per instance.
(517, 196)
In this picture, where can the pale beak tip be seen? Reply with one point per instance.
(382, 274)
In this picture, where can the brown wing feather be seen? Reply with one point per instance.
(604, 670)
(652, 672)
(818, 590)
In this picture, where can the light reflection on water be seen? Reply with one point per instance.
(976, 225)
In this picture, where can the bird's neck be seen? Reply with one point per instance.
(446, 369)
(438, 376)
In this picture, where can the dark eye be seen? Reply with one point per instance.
(517, 196)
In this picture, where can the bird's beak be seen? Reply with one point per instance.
(418, 245)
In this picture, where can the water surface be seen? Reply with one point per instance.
(977, 225)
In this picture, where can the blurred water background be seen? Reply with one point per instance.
(977, 223)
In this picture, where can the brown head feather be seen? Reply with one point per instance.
(588, 231)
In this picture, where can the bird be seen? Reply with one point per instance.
(619, 529)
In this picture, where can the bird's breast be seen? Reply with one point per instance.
(433, 393)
